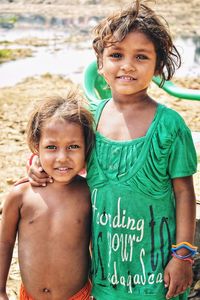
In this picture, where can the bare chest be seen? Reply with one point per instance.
(48, 218)
(123, 127)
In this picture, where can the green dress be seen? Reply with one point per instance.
(133, 223)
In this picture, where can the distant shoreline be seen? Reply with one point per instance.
(182, 17)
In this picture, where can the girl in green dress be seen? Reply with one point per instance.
(140, 170)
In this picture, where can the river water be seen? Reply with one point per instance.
(69, 60)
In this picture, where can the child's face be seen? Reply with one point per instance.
(62, 149)
(128, 66)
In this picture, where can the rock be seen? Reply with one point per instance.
(11, 181)
(197, 286)
(197, 235)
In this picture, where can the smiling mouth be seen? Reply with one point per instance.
(126, 78)
(63, 169)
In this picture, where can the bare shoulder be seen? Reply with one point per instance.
(16, 195)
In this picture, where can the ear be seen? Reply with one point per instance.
(100, 66)
(82, 172)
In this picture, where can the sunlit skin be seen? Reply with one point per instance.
(52, 222)
(62, 149)
(128, 66)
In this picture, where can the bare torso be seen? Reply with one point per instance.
(54, 235)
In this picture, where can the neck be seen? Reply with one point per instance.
(56, 185)
(137, 100)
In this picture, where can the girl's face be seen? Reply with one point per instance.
(128, 66)
(62, 149)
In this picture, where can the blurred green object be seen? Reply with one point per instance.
(96, 88)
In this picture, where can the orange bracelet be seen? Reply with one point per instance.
(184, 259)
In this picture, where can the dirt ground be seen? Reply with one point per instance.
(16, 102)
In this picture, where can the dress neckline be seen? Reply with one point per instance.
(122, 142)
(144, 150)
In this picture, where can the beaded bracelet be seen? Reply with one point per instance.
(186, 245)
(191, 260)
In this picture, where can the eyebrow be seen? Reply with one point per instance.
(144, 50)
(113, 47)
(54, 141)
(116, 48)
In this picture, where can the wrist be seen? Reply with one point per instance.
(184, 250)
(189, 260)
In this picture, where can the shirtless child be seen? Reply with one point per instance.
(52, 223)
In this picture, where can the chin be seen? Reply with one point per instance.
(125, 91)
(63, 181)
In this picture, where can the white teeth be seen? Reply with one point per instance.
(127, 78)
(62, 169)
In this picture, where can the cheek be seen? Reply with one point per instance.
(107, 68)
(107, 73)
(45, 159)
(81, 158)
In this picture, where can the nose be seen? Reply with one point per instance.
(128, 66)
(62, 155)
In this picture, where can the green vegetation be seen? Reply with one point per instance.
(5, 54)
(13, 54)
(5, 43)
(9, 19)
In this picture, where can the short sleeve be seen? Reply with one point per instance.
(93, 107)
(96, 107)
(182, 158)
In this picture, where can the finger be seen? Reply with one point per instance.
(166, 279)
(41, 178)
(35, 165)
(41, 181)
(180, 290)
(21, 180)
(36, 184)
(172, 291)
(36, 173)
(36, 161)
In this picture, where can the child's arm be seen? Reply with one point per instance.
(178, 273)
(8, 231)
(36, 175)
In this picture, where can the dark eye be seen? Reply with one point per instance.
(116, 55)
(141, 57)
(51, 147)
(72, 147)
